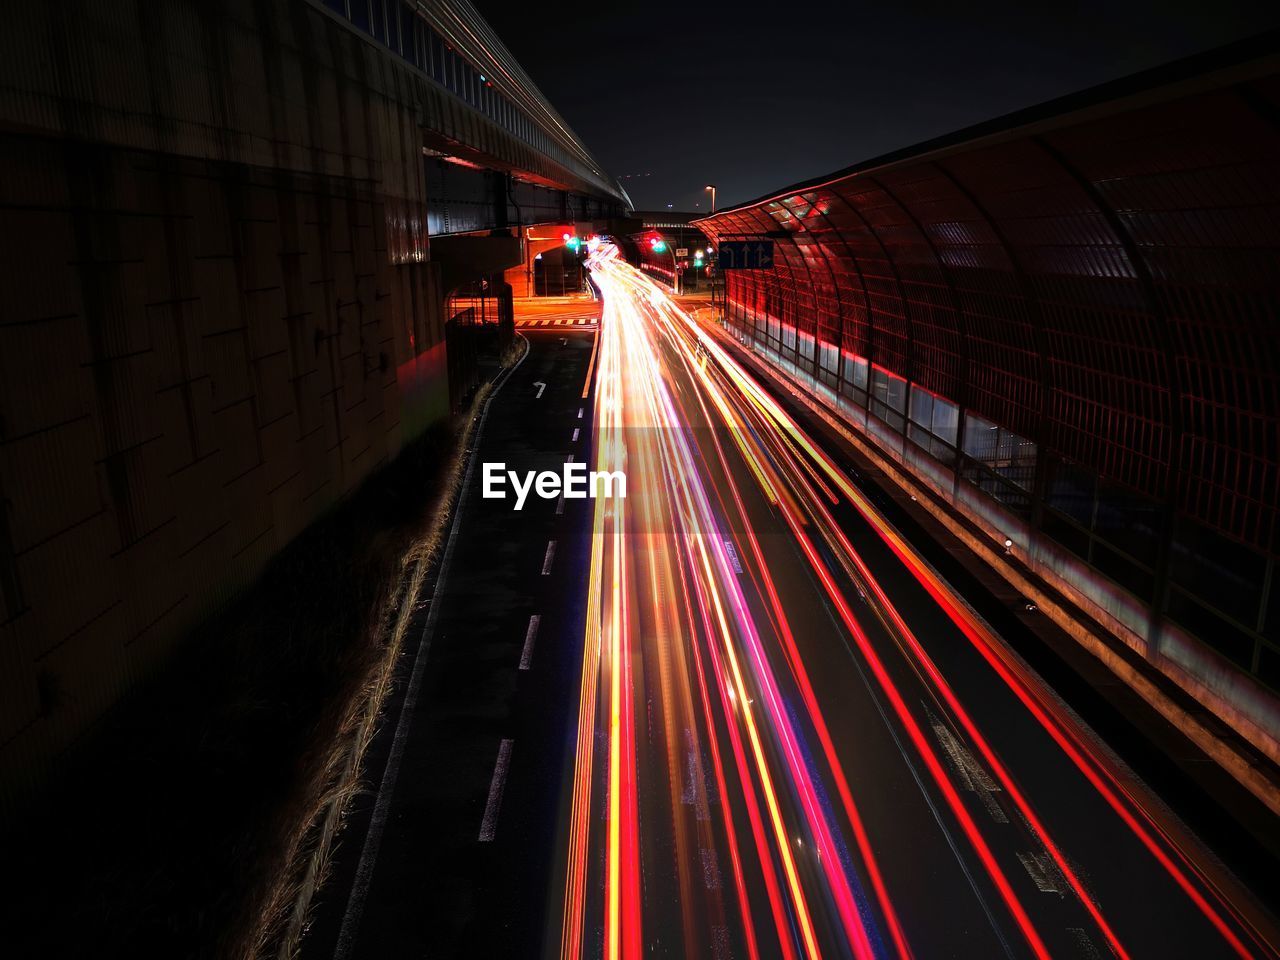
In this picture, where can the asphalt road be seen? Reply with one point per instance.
(542, 313)
(733, 714)
(424, 882)
(795, 741)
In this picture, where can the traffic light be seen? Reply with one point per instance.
(659, 246)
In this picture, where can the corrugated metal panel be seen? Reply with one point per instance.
(1103, 285)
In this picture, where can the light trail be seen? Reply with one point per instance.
(699, 700)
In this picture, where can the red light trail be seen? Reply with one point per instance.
(730, 797)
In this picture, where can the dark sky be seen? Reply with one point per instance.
(673, 96)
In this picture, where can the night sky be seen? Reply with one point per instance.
(671, 97)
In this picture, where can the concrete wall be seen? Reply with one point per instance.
(217, 317)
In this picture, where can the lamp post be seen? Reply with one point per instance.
(712, 188)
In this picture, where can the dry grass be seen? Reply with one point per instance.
(281, 920)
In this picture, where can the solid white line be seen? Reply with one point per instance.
(560, 506)
(575, 435)
(526, 655)
(551, 555)
(381, 807)
(489, 824)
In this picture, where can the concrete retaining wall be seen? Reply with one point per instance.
(217, 317)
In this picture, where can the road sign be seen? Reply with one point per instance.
(682, 252)
(746, 254)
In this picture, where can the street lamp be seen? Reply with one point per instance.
(712, 188)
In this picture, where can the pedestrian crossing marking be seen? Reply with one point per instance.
(557, 321)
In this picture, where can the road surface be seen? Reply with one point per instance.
(733, 714)
(794, 741)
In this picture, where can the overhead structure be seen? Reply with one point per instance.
(253, 251)
(1061, 325)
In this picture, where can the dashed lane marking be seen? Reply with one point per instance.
(526, 655)
(349, 931)
(489, 825)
